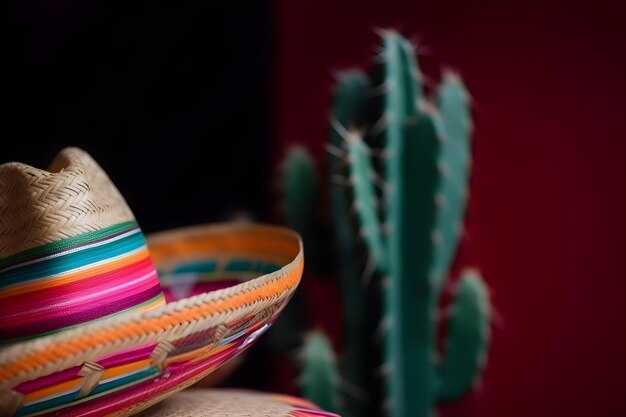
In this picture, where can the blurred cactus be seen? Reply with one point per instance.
(401, 164)
(399, 170)
(318, 372)
(319, 375)
(297, 188)
(299, 185)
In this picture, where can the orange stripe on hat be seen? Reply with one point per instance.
(75, 276)
(59, 351)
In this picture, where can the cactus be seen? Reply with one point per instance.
(297, 185)
(316, 360)
(409, 206)
(361, 306)
(319, 374)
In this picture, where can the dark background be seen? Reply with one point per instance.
(188, 105)
(170, 97)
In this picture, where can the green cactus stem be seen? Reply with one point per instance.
(413, 235)
(451, 198)
(319, 374)
(298, 185)
(361, 306)
(468, 337)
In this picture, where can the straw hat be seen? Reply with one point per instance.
(84, 326)
(233, 403)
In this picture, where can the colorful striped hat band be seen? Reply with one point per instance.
(75, 281)
(84, 327)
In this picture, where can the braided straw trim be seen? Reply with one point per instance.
(40, 357)
(73, 197)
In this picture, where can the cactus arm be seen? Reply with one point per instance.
(358, 303)
(349, 99)
(299, 189)
(468, 337)
(298, 183)
(348, 102)
(365, 200)
(319, 374)
(454, 123)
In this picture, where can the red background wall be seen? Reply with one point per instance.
(546, 222)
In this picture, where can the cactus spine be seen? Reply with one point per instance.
(423, 175)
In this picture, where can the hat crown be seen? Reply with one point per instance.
(70, 249)
(72, 197)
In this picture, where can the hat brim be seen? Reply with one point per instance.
(122, 364)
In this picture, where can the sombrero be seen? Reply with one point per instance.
(234, 403)
(84, 325)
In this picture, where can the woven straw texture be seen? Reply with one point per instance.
(250, 304)
(230, 403)
(68, 231)
(72, 197)
(177, 319)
